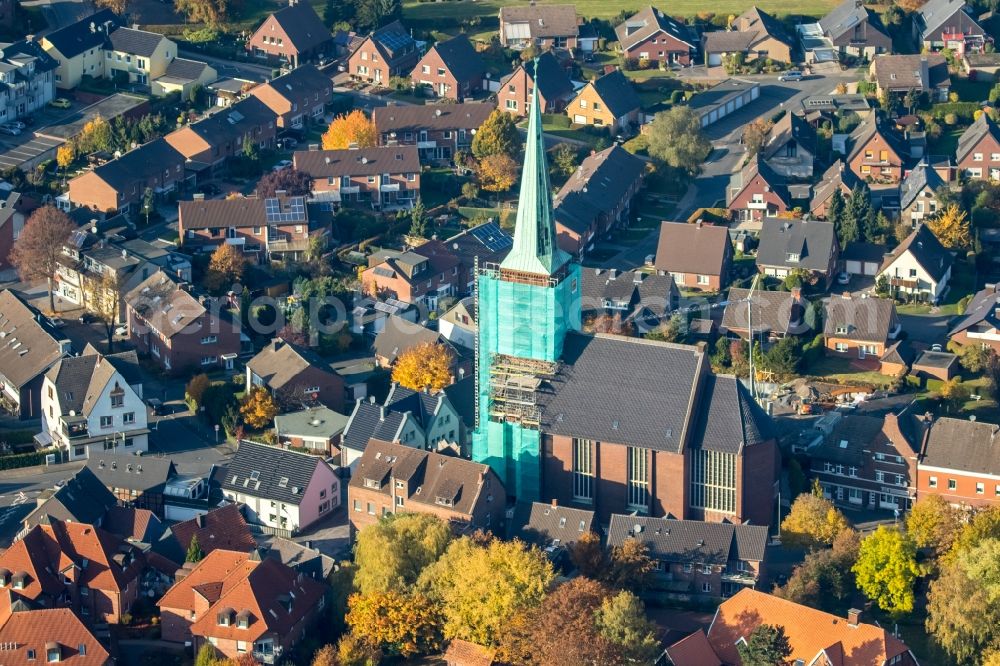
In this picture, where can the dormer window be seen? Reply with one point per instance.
(52, 653)
(372, 483)
(842, 329)
(117, 396)
(792, 257)
(444, 501)
(243, 620)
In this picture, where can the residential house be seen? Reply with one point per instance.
(697, 558)
(281, 489)
(608, 101)
(314, 429)
(27, 73)
(980, 323)
(387, 52)
(859, 327)
(295, 376)
(298, 97)
(437, 130)
(92, 404)
(14, 210)
(594, 458)
(392, 478)
(370, 314)
(176, 330)
(222, 528)
(597, 198)
(302, 558)
(550, 526)
(918, 195)
(897, 359)
(813, 636)
(866, 461)
(383, 177)
(273, 228)
(434, 413)
(693, 650)
(753, 34)
(919, 267)
(206, 145)
(121, 183)
(78, 48)
(837, 177)
(544, 74)
(452, 68)
(978, 152)
(83, 499)
(241, 604)
(543, 26)
(653, 37)
(294, 34)
(790, 245)
(856, 30)
(948, 24)
(458, 325)
(31, 346)
(698, 256)
(772, 314)
(487, 244)
(183, 76)
(983, 64)
(861, 258)
(790, 147)
(373, 422)
(74, 565)
(645, 301)
(876, 153)
(139, 483)
(422, 276)
(137, 56)
(399, 336)
(902, 74)
(757, 191)
(959, 461)
(55, 635)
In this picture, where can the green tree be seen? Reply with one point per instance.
(148, 201)
(782, 358)
(418, 219)
(353, 651)
(206, 656)
(954, 394)
(983, 524)
(38, 252)
(194, 551)
(812, 521)
(933, 523)
(373, 14)
(975, 359)
(400, 624)
(677, 139)
(860, 212)
(963, 610)
(587, 555)
(767, 646)
(886, 569)
(630, 565)
(481, 586)
(250, 149)
(392, 553)
(497, 136)
(824, 579)
(622, 620)
(564, 160)
(835, 209)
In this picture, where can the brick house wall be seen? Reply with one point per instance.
(513, 96)
(990, 340)
(187, 142)
(698, 575)
(447, 142)
(987, 166)
(582, 111)
(757, 471)
(418, 286)
(175, 625)
(298, 110)
(877, 160)
(936, 481)
(852, 348)
(368, 187)
(89, 190)
(184, 351)
(270, 39)
(691, 280)
(254, 236)
(767, 204)
(432, 70)
(661, 47)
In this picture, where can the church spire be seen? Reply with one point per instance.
(535, 250)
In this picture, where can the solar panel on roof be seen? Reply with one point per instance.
(492, 237)
(394, 40)
(294, 210)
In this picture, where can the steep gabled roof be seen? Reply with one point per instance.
(280, 363)
(867, 319)
(926, 250)
(756, 166)
(649, 21)
(920, 179)
(547, 524)
(139, 164)
(967, 446)
(136, 42)
(542, 20)
(934, 13)
(303, 26)
(773, 312)
(84, 499)
(617, 93)
(370, 421)
(845, 16)
(398, 335)
(983, 308)
(691, 248)
(838, 175)
(552, 80)
(461, 58)
(39, 629)
(867, 130)
(270, 472)
(87, 33)
(975, 133)
(692, 541)
(394, 40)
(729, 420)
(597, 186)
(28, 345)
(79, 380)
(812, 240)
(790, 127)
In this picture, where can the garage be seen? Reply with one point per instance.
(853, 267)
(863, 258)
(714, 59)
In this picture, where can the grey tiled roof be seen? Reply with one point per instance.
(864, 319)
(934, 13)
(656, 294)
(135, 42)
(79, 380)
(370, 421)
(303, 26)
(849, 440)
(146, 474)
(791, 127)
(649, 21)
(552, 80)
(616, 389)
(372, 161)
(461, 58)
(270, 472)
(182, 68)
(691, 541)
(846, 16)
(617, 93)
(140, 164)
(775, 312)
(413, 117)
(975, 133)
(728, 418)
(84, 499)
(692, 248)
(399, 335)
(30, 346)
(85, 34)
(834, 177)
(423, 405)
(982, 309)
(813, 240)
(963, 445)
(597, 187)
(543, 524)
(462, 395)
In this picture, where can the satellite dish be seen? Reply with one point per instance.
(72, 412)
(93, 229)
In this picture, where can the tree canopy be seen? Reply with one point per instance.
(37, 251)
(353, 129)
(397, 623)
(292, 181)
(392, 553)
(812, 521)
(427, 365)
(767, 646)
(677, 139)
(498, 135)
(886, 569)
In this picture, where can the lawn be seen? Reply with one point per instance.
(843, 371)
(429, 13)
(970, 91)
(944, 144)
(962, 283)
(556, 124)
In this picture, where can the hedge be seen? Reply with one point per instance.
(18, 460)
(13, 437)
(964, 110)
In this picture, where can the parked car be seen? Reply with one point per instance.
(288, 143)
(18, 124)
(791, 75)
(56, 322)
(60, 103)
(86, 318)
(844, 278)
(10, 129)
(282, 165)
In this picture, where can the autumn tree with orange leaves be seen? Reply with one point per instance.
(428, 365)
(259, 408)
(497, 173)
(354, 129)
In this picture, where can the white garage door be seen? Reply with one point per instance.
(871, 268)
(853, 267)
(714, 59)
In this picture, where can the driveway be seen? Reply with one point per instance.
(930, 329)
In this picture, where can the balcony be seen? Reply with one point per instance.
(427, 144)
(74, 427)
(741, 577)
(389, 187)
(354, 189)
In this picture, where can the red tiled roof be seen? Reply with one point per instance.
(223, 528)
(695, 650)
(809, 631)
(464, 653)
(37, 630)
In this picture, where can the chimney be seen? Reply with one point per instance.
(381, 413)
(555, 502)
(925, 76)
(200, 520)
(198, 196)
(610, 68)
(276, 343)
(854, 617)
(698, 223)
